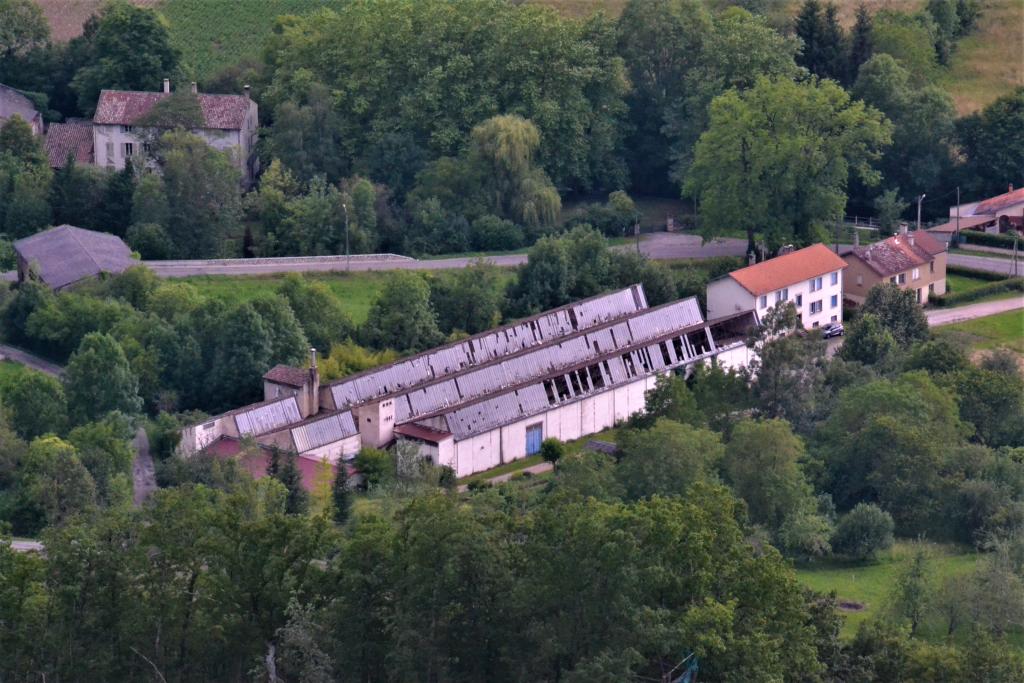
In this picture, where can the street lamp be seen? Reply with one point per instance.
(919, 200)
(348, 260)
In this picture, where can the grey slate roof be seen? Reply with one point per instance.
(66, 254)
(13, 103)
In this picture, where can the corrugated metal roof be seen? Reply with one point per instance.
(489, 346)
(66, 254)
(267, 417)
(317, 433)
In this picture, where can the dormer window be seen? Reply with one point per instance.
(127, 129)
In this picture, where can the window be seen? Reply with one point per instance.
(127, 129)
(782, 295)
(815, 324)
(799, 300)
(815, 307)
(860, 280)
(835, 300)
(931, 267)
(893, 279)
(919, 298)
(129, 149)
(815, 284)
(931, 288)
(534, 435)
(835, 318)
(110, 150)
(902, 278)
(764, 300)
(835, 278)
(916, 274)
(145, 148)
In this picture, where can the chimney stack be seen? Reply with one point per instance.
(903, 228)
(314, 383)
(167, 85)
(195, 88)
(856, 238)
(1011, 188)
(246, 88)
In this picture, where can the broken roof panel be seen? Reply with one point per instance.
(266, 417)
(488, 346)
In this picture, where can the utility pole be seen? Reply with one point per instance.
(636, 231)
(348, 259)
(920, 199)
(957, 242)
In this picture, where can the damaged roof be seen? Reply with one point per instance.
(899, 253)
(487, 346)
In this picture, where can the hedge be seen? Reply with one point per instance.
(975, 273)
(1006, 285)
(986, 239)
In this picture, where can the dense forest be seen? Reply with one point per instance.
(445, 127)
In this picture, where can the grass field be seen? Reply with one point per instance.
(871, 584)
(1004, 329)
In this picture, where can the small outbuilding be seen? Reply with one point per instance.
(63, 256)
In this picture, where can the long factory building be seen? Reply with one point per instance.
(491, 398)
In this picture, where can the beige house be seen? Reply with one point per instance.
(230, 124)
(811, 278)
(910, 260)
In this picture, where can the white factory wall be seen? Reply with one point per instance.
(336, 450)
(566, 423)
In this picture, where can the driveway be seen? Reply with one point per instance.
(31, 361)
(992, 265)
(143, 470)
(946, 316)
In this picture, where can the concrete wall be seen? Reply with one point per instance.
(376, 422)
(566, 423)
(344, 449)
(726, 297)
(198, 437)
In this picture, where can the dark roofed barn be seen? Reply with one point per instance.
(62, 256)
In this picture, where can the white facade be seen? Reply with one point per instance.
(818, 300)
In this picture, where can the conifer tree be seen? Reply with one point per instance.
(341, 495)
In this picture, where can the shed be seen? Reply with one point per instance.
(62, 256)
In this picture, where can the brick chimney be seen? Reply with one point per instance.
(195, 88)
(314, 383)
(904, 228)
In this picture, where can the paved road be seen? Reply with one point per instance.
(26, 546)
(29, 360)
(143, 471)
(946, 316)
(993, 265)
(659, 245)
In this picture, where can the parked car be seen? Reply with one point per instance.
(832, 330)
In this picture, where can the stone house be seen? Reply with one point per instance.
(911, 260)
(230, 124)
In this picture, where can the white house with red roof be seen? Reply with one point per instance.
(811, 278)
(230, 124)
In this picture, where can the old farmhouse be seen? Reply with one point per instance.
(230, 124)
(491, 398)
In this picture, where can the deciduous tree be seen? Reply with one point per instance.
(99, 380)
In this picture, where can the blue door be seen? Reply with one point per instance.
(534, 435)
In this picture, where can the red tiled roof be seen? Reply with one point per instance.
(123, 107)
(783, 271)
(422, 433)
(999, 202)
(899, 253)
(286, 374)
(73, 137)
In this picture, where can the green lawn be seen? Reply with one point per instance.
(958, 284)
(1003, 329)
(871, 584)
(355, 291)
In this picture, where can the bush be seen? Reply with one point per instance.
(986, 239)
(490, 233)
(552, 450)
(863, 532)
(975, 273)
(954, 298)
(446, 478)
(376, 466)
